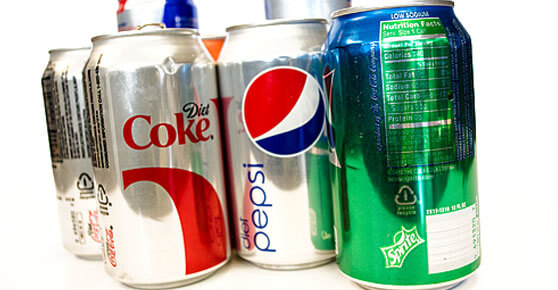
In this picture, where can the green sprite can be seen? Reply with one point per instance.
(401, 126)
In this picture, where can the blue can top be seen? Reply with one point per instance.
(180, 14)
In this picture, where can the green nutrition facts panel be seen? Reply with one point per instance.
(416, 75)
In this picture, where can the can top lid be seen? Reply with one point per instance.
(383, 4)
(132, 33)
(213, 36)
(276, 22)
(63, 50)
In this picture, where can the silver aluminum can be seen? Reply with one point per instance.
(275, 9)
(71, 163)
(273, 106)
(157, 157)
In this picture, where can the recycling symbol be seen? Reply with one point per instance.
(85, 182)
(405, 196)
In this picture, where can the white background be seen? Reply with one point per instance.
(516, 79)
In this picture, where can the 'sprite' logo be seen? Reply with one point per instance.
(283, 111)
(190, 125)
(404, 242)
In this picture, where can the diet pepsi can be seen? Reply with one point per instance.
(275, 9)
(273, 107)
(71, 162)
(157, 157)
(173, 13)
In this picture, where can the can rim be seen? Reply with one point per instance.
(391, 4)
(213, 36)
(132, 33)
(66, 49)
(276, 22)
(441, 285)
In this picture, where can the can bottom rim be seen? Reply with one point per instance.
(437, 286)
(174, 284)
(289, 267)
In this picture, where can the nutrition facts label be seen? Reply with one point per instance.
(72, 118)
(416, 75)
(97, 131)
(52, 110)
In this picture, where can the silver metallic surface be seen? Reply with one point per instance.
(248, 51)
(276, 22)
(142, 88)
(150, 29)
(275, 9)
(71, 162)
(369, 5)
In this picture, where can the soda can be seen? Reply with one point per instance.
(173, 13)
(157, 157)
(71, 162)
(275, 9)
(273, 107)
(402, 121)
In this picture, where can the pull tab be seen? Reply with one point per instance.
(159, 25)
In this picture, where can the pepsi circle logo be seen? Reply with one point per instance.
(283, 111)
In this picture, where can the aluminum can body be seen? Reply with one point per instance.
(402, 121)
(173, 13)
(71, 162)
(273, 109)
(157, 157)
(276, 9)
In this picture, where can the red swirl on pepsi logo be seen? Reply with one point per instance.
(283, 111)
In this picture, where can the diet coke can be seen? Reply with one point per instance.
(271, 85)
(71, 163)
(157, 158)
